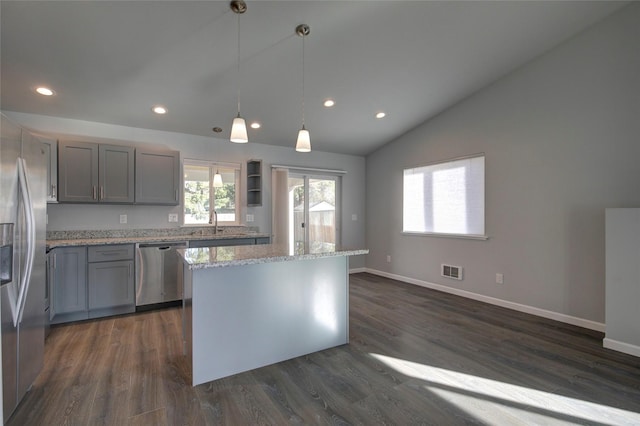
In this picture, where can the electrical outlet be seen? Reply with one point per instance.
(499, 279)
(173, 217)
(249, 218)
(123, 218)
(388, 258)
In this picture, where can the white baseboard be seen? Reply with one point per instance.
(621, 347)
(357, 270)
(568, 319)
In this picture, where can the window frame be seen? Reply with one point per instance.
(482, 236)
(213, 165)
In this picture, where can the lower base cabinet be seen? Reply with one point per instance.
(98, 281)
(67, 284)
(111, 288)
(91, 282)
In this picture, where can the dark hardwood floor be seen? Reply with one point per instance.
(416, 356)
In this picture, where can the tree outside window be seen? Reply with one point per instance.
(200, 195)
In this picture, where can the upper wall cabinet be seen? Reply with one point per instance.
(51, 154)
(157, 177)
(92, 173)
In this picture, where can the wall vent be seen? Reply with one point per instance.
(451, 271)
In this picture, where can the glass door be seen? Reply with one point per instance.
(313, 213)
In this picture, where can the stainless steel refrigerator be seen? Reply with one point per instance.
(22, 231)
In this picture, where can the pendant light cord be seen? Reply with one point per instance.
(303, 37)
(238, 79)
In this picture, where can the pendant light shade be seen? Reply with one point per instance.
(239, 127)
(304, 141)
(303, 144)
(217, 180)
(239, 130)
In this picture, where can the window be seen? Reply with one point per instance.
(445, 198)
(200, 196)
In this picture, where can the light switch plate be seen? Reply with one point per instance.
(173, 217)
(123, 218)
(249, 218)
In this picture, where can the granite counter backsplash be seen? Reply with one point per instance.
(145, 233)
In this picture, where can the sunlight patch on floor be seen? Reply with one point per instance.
(482, 398)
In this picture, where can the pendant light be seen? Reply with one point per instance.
(303, 143)
(217, 179)
(239, 127)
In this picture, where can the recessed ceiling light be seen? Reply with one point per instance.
(217, 129)
(380, 114)
(255, 125)
(44, 91)
(159, 109)
(329, 103)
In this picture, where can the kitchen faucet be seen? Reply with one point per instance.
(214, 216)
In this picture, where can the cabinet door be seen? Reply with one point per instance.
(51, 154)
(157, 177)
(116, 168)
(68, 290)
(78, 172)
(111, 284)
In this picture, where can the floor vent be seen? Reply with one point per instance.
(451, 271)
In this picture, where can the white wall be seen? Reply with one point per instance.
(623, 280)
(562, 142)
(79, 216)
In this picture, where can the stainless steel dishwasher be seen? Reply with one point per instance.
(158, 279)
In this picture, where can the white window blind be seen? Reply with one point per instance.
(445, 198)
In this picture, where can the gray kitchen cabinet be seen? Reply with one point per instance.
(110, 284)
(116, 174)
(77, 172)
(68, 284)
(93, 173)
(50, 147)
(90, 282)
(157, 177)
(110, 280)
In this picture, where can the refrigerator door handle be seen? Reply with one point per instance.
(31, 239)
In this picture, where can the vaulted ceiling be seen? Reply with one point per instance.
(110, 61)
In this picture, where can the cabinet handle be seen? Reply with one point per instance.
(53, 192)
(102, 192)
(55, 260)
(95, 194)
(176, 195)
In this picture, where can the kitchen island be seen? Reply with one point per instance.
(245, 307)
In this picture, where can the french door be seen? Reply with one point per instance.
(314, 212)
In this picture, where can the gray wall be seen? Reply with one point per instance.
(562, 142)
(623, 280)
(76, 216)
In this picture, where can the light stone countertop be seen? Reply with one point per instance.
(216, 257)
(94, 238)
